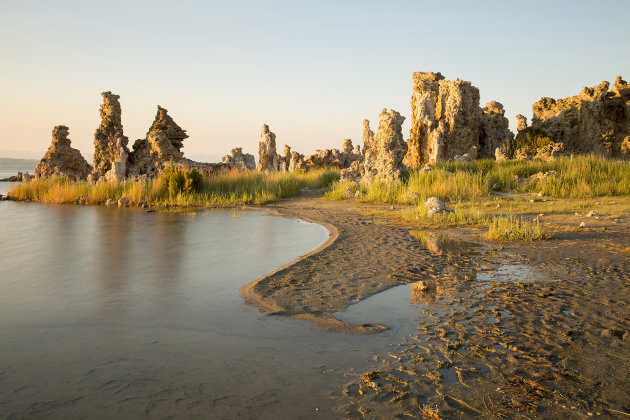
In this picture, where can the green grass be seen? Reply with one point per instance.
(232, 188)
(582, 177)
(515, 228)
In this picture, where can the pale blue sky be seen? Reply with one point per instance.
(311, 70)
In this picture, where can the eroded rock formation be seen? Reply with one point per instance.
(240, 160)
(61, 159)
(595, 121)
(267, 156)
(494, 130)
(446, 121)
(385, 153)
(163, 143)
(108, 136)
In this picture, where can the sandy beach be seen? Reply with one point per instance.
(509, 330)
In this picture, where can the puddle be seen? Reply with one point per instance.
(511, 272)
(403, 307)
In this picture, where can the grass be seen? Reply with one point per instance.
(582, 177)
(232, 188)
(515, 228)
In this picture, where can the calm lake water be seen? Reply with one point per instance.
(119, 312)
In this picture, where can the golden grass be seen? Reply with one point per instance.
(582, 177)
(516, 228)
(232, 188)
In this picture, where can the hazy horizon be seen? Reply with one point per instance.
(312, 72)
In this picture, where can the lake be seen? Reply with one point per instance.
(120, 312)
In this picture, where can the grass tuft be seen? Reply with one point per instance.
(515, 228)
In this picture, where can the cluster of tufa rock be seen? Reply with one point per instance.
(240, 160)
(447, 121)
(271, 161)
(113, 161)
(595, 121)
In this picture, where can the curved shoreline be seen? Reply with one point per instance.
(360, 259)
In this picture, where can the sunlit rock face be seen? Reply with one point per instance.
(267, 156)
(61, 159)
(240, 160)
(447, 121)
(163, 143)
(108, 136)
(385, 152)
(595, 121)
(494, 130)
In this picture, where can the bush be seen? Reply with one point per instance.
(175, 181)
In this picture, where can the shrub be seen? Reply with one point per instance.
(175, 181)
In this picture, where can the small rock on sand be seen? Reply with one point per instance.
(582, 225)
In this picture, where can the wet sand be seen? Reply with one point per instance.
(550, 341)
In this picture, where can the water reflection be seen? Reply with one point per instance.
(441, 244)
(423, 292)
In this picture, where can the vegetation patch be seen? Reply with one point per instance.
(179, 187)
(516, 228)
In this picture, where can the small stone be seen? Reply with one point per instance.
(123, 202)
(436, 206)
(582, 225)
(110, 202)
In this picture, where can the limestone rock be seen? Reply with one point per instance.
(446, 120)
(18, 177)
(353, 173)
(107, 136)
(239, 159)
(367, 135)
(162, 144)
(267, 156)
(347, 146)
(61, 159)
(625, 147)
(333, 158)
(384, 154)
(118, 172)
(521, 123)
(595, 121)
(436, 206)
(494, 129)
(296, 162)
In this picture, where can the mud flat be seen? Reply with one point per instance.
(515, 330)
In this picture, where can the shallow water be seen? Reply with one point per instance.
(126, 313)
(401, 307)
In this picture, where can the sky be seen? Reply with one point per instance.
(311, 70)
